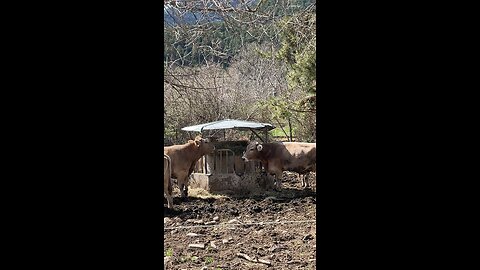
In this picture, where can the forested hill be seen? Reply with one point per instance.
(214, 37)
(173, 16)
(218, 45)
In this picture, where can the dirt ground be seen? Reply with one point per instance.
(222, 228)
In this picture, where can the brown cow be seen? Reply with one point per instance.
(287, 156)
(183, 158)
(167, 180)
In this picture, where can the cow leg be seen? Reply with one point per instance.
(169, 200)
(169, 195)
(183, 185)
(302, 179)
(278, 180)
(168, 186)
(185, 189)
(305, 183)
(267, 181)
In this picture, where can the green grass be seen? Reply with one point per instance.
(208, 260)
(169, 252)
(278, 131)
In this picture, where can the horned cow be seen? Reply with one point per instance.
(283, 156)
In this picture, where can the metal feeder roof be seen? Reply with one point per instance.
(230, 124)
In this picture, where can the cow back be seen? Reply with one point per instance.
(300, 157)
(300, 149)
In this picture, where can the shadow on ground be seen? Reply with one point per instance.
(233, 205)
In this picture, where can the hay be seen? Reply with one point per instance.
(203, 194)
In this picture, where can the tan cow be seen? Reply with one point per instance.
(167, 180)
(283, 156)
(183, 158)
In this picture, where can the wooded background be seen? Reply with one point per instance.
(240, 59)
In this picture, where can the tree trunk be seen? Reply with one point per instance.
(290, 130)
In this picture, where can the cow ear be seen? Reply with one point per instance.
(259, 147)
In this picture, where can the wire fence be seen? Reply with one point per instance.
(262, 223)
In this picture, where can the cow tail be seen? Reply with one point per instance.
(170, 184)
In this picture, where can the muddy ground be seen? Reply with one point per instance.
(221, 227)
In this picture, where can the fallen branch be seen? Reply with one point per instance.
(264, 261)
(248, 258)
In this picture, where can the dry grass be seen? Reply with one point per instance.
(198, 193)
(203, 194)
(253, 185)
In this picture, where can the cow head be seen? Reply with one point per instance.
(204, 145)
(252, 151)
